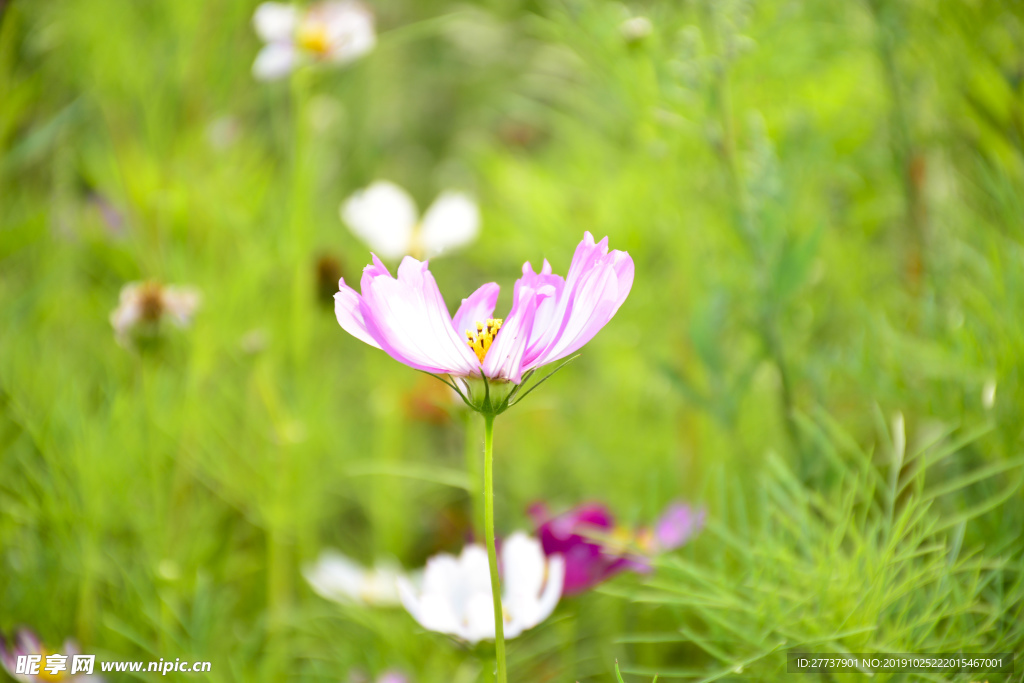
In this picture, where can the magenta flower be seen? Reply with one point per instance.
(551, 318)
(596, 550)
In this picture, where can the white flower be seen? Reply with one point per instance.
(636, 29)
(338, 578)
(143, 305)
(337, 32)
(455, 597)
(384, 216)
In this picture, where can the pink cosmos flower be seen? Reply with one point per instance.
(595, 549)
(551, 317)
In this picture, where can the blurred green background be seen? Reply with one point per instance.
(825, 204)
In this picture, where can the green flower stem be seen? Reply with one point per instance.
(473, 467)
(492, 553)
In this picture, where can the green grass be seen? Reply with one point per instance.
(823, 201)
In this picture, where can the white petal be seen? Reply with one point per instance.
(430, 611)
(71, 648)
(552, 589)
(336, 577)
(380, 586)
(274, 61)
(180, 303)
(476, 570)
(523, 562)
(479, 618)
(128, 311)
(130, 292)
(636, 28)
(513, 629)
(526, 612)
(383, 216)
(125, 316)
(457, 581)
(275, 21)
(453, 220)
(350, 30)
(441, 573)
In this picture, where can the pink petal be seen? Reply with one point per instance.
(27, 642)
(348, 308)
(504, 360)
(7, 658)
(544, 326)
(410, 321)
(477, 306)
(556, 317)
(676, 525)
(597, 285)
(594, 303)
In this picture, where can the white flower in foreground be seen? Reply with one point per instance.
(144, 305)
(339, 578)
(384, 216)
(336, 32)
(455, 596)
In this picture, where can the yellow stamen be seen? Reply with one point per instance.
(312, 36)
(481, 340)
(619, 539)
(645, 540)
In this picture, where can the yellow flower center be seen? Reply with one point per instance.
(620, 538)
(45, 675)
(645, 540)
(481, 340)
(313, 37)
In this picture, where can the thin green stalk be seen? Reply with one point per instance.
(492, 553)
(473, 467)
